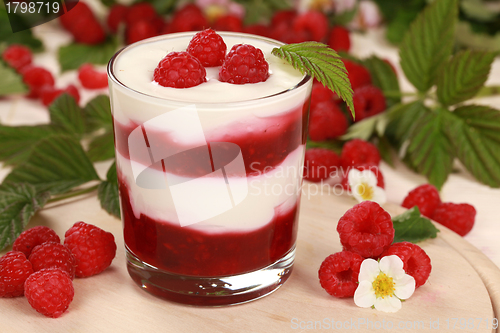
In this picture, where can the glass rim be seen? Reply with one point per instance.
(112, 76)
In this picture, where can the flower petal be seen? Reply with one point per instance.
(392, 266)
(364, 296)
(404, 286)
(353, 177)
(368, 270)
(388, 304)
(379, 195)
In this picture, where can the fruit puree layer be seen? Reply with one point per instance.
(242, 147)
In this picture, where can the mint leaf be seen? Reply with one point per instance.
(18, 203)
(102, 147)
(74, 55)
(430, 151)
(16, 142)
(56, 164)
(463, 76)
(98, 114)
(428, 43)
(383, 77)
(108, 192)
(320, 62)
(412, 227)
(67, 115)
(474, 131)
(11, 82)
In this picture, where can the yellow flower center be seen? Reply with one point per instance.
(365, 191)
(383, 285)
(318, 4)
(213, 12)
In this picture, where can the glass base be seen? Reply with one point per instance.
(210, 291)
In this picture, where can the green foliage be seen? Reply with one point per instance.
(412, 227)
(11, 82)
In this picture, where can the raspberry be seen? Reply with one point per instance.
(283, 16)
(373, 168)
(116, 15)
(368, 101)
(179, 70)
(366, 229)
(228, 23)
(415, 261)
(284, 32)
(358, 152)
(142, 11)
(92, 79)
(457, 217)
(88, 31)
(52, 254)
(313, 23)
(244, 64)
(338, 273)
(49, 291)
(257, 29)
(327, 122)
(37, 78)
(189, 18)
(208, 47)
(358, 75)
(93, 248)
(49, 94)
(17, 56)
(339, 39)
(425, 197)
(14, 270)
(140, 30)
(320, 164)
(319, 94)
(79, 11)
(32, 237)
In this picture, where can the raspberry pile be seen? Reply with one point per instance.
(42, 269)
(366, 231)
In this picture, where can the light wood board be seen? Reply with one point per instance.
(463, 285)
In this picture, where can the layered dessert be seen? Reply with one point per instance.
(209, 176)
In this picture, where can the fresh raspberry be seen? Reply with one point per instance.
(37, 78)
(49, 291)
(140, 30)
(189, 18)
(425, 197)
(358, 152)
(320, 164)
(14, 270)
(52, 254)
(17, 56)
(457, 217)
(339, 39)
(380, 177)
(142, 11)
(358, 75)
(93, 248)
(313, 23)
(415, 261)
(116, 15)
(368, 101)
(366, 229)
(327, 121)
(244, 64)
(32, 237)
(79, 11)
(228, 22)
(179, 70)
(88, 31)
(49, 94)
(92, 79)
(283, 16)
(319, 94)
(338, 273)
(257, 29)
(285, 33)
(208, 47)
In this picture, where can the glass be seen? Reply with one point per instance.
(209, 189)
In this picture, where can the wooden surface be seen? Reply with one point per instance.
(460, 286)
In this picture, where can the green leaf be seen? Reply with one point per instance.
(67, 115)
(102, 147)
(163, 7)
(108, 193)
(463, 76)
(320, 62)
(385, 149)
(333, 145)
(365, 128)
(467, 37)
(18, 203)
(383, 77)
(56, 164)
(474, 133)
(428, 43)
(430, 152)
(74, 55)
(98, 114)
(24, 37)
(17, 142)
(412, 227)
(345, 17)
(402, 121)
(11, 82)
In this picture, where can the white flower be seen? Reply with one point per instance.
(363, 185)
(217, 8)
(368, 16)
(383, 284)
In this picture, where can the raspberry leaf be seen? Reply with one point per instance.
(320, 62)
(412, 227)
(74, 55)
(102, 147)
(384, 77)
(403, 120)
(108, 192)
(98, 114)
(428, 43)
(11, 82)
(463, 76)
(67, 115)
(18, 203)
